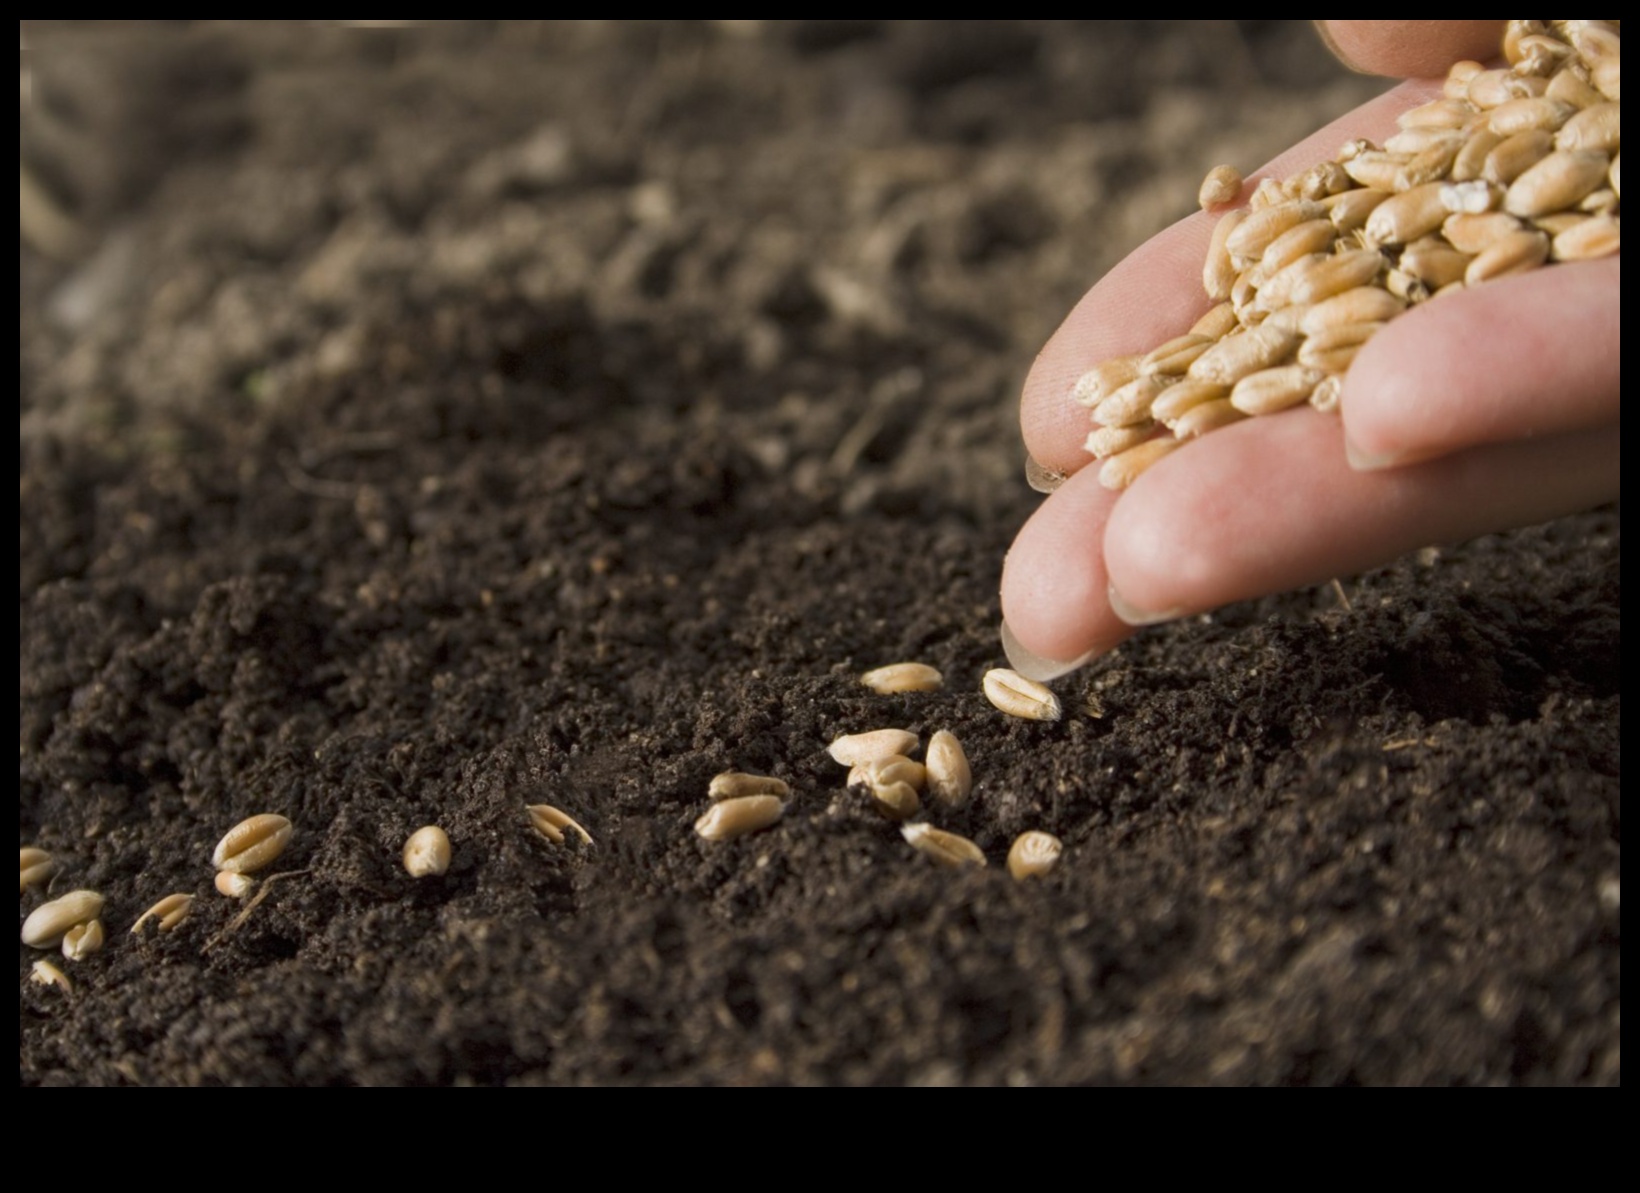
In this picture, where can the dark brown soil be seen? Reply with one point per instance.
(452, 421)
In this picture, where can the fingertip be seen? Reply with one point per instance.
(1409, 49)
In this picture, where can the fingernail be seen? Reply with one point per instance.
(1034, 666)
(1041, 478)
(1365, 461)
(1135, 616)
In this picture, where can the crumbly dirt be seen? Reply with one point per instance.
(563, 412)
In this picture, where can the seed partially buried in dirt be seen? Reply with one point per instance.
(551, 824)
(1034, 855)
(252, 844)
(49, 923)
(427, 852)
(34, 868)
(171, 913)
(733, 818)
(944, 849)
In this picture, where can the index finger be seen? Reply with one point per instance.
(1156, 292)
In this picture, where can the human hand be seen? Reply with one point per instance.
(1492, 408)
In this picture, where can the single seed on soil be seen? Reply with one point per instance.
(80, 941)
(1221, 186)
(950, 780)
(852, 749)
(234, 886)
(1020, 697)
(427, 852)
(252, 844)
(171, 912)
(942, 848)
(34, 868)
(49, 923)
(550, 823)
(45, 973)
(735, 784)
(903, 677)
(1034, 855)
(734, 818)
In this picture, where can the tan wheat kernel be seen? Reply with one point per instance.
(80, 941)
(943, 848)
(44, 973)
(171, 912)
(735, 784)
(34, 868)
(550, 823)
(950, 780)
(734, 818)
(252, 844)
(427, 852)
(1020, 697)
(1034, 855)
(903, 677)
(852, 749)
(49, 923)
(1222, 185)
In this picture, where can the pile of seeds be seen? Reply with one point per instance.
(1512, 168)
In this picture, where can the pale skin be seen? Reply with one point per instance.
(1490, 409)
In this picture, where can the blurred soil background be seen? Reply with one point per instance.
(419, 423)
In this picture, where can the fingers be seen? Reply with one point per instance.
(1156, 294)
(1517, 358)
(1265, 506)
(1410, 49)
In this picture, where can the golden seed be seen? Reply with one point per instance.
(950, 779)
(1288, 319)
(1459, 77)
(550, 824)
(252, 844)
(1560, 221)
(34, 868)
(734, 818)
(1209, 416)
(1542, 56)
(1434, 265)
(903, 677)
(1104, 442)
(1430, 164)
(1477, 233)
(1334, 350)
(1121, 470)
(896, 801)
(1222, 185)
(171, 912)
(942, 848)
(46, 974)
(1608, 80)
(1099, 382)
(1174, 358)
(1601, 236)
(1515, 34)
(49, 923)
(1301, 240)
(1524, 115)
(1268, 193)
(1241, 355)
(1034, 855)
(1273, 390)
(1321, 181)
(1131, 404)
(1600, 202)
(735, 784)
(1259, 230)
(1377, 170)
(1515, 253)
(1336, 274)
(1020, 697)
(1493, 88)
(1515, 155)
(1405, 286)
(854, 748)
(1217, 323)
(1572, 88)
(1556, 183)
(1364, 304)
(1470, 163)
(1349, 210)
(1350, 150)
(1599, 128)
(1438, 113)
(1186, 396)
(427, 852)
(80, 941)
(1614, 175)
(234, 886)
(1407, 216)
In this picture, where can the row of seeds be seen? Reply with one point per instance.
(880, 762)
(1512, 168)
